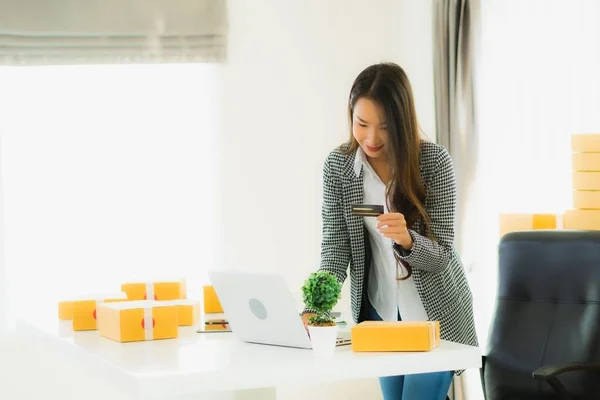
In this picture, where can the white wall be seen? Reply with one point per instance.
(289, 72)
(286, 82)
(290, 68)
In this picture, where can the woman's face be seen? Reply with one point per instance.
(369, 128)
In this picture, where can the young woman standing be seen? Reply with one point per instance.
(403, 264)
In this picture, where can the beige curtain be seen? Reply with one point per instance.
(454, 46)
(34, 32)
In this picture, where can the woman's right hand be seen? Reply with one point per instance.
(305, 318)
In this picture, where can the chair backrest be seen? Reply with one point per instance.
(547, 313)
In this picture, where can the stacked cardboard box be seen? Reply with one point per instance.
(586, 183)
(585, 214)
(145, 311)
(527, 222)
(138, 320)
(161, 291)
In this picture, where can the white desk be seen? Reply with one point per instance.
(217, 365)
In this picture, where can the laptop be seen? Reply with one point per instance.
(261, 309)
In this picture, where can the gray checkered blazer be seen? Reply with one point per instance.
(437, 268)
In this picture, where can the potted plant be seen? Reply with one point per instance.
(321, 292)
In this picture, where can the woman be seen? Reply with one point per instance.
(403, 264)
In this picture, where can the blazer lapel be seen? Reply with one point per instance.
(353, 192)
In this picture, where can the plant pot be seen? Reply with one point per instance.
(323, 339)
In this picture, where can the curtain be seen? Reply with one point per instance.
(453, 54)
(111, 31)
(454, 47)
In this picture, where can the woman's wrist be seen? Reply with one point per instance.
(406, 244)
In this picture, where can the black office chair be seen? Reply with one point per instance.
(544, 340)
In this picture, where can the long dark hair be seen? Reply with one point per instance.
(387, 85)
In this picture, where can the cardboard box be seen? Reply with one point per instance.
(585, 142)
(85, 310)
(526, 222)
(586, 180)
(188, 311)
(582, 220)
(395, 336)
(586, 199)
(65, 310)
(136, 321)
(586, 162)
(160, 291)
(211, 301)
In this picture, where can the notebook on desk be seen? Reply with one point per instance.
(261, 309)
(215, 326)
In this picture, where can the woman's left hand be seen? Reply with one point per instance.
(393, 226)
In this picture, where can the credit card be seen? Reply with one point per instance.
(366, 210)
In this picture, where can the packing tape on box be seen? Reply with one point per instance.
(432, 334)
(150, 291)
(97, 310)
(148, 325)
(559, 221)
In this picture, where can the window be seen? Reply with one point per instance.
(109, 175)
(538, 84)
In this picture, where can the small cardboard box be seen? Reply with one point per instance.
(585, 142)
(188, 311)
(160, 291)
(136, 321)
(586, 162)
(582, 220)
(589, 199)
(526, 222)
(65, 310)
(211, 301)
(586, 180)
(85, 310)
(395, 336)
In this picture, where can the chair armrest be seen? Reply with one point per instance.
(548, 373)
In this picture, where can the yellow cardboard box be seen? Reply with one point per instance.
(188, 311)
(65, 310)
(586, 162)
(135, 321)
(589, 199)
(165, 290)
(85, 310)
(211, 300)
(585, 142)
(526, 222)
(586, 180)
(582, 220)
(395, 336)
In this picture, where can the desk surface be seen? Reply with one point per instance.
(210, 362)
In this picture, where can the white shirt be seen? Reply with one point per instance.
(387, 294)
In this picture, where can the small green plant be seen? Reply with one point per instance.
(321, 292)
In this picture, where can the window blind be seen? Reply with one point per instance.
(46, 32)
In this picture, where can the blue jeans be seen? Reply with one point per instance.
(428, 386)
